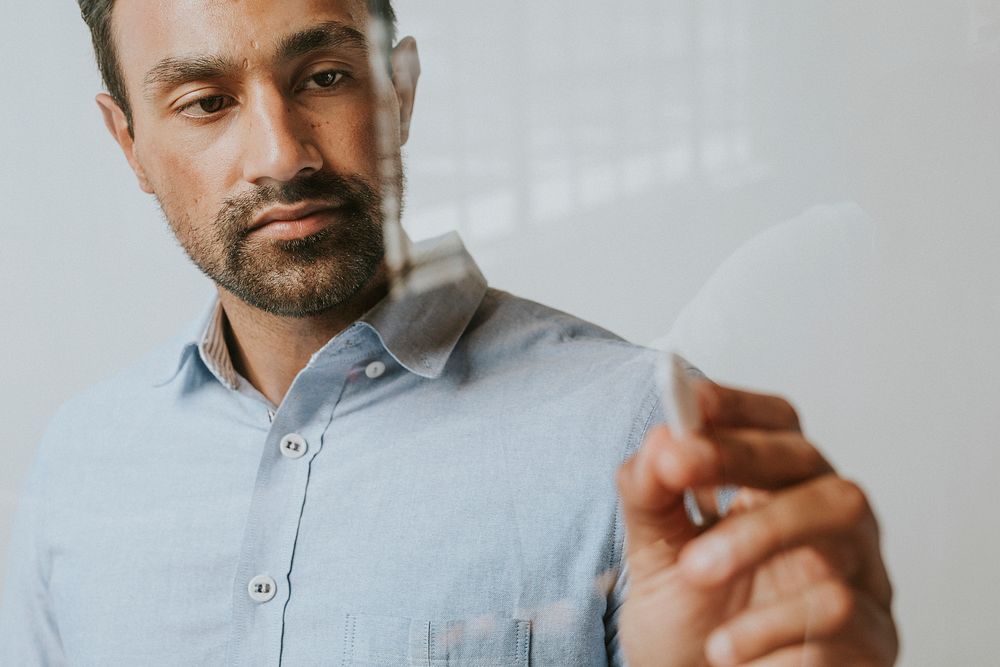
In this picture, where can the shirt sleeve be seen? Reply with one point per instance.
(29, 635)
(651, 413)
(616, 654)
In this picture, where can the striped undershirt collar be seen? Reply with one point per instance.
(214, 351)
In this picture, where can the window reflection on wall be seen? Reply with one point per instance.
(547, 114)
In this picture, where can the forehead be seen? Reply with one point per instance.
(147, 31)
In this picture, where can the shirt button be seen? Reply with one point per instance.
(375, 370)
(262, 588)
(294, 446)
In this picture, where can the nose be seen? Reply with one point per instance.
(278, 145)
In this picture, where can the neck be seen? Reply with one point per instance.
(270, 350)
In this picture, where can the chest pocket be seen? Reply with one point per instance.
(396, 641)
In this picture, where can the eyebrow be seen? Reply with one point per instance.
(325, 36)
(172, 72)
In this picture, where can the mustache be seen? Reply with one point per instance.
(353, 193)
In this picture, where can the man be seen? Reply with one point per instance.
(316, 473)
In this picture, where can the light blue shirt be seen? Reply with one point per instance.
(437, 488)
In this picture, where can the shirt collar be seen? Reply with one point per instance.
(420, 331)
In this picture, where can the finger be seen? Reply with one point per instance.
(754, 458)
(814, 654)
(727, 406)
(834, 626)
(651, 485)
(817, 613)
(766, 459)
(827, 507)
(799, 568)
(855, 556)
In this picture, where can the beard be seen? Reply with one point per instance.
(292, 278)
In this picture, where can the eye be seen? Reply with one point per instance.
(206, 106)
(327, 79)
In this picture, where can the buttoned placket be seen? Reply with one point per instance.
(295, 437)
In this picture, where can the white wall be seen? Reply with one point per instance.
(814, 184)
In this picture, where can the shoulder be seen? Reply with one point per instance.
(504, 320)
(122, 395)
(566, 366)
(151, 370)
(85, 428)
(508, 329)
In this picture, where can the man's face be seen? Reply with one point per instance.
(255, 127)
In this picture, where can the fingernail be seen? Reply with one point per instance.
(719, 649)
(699, 453)
(708, 559)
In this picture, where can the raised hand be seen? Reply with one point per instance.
(793, 575)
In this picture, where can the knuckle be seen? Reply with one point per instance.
(812, 460)
(846, 498)
(890, 592)
(742, 449)
(854, 501)
(815, 564)
(768, 533)
(786, 410)
(733, 403)
(839, 603)
(790, 413)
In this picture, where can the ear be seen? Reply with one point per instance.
(117, 124)
(405, 74)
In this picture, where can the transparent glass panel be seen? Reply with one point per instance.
(800, 198)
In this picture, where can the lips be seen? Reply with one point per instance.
(292, 223)
(290, 214)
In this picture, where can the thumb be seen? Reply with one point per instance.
(651, 485)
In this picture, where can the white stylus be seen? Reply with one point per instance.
(680, 402)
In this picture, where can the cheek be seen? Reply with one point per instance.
(190, 187)
(349, 144)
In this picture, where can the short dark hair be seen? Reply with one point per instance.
(97, 14)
